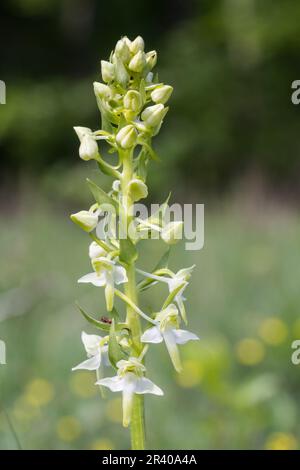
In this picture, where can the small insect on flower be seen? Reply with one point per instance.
(106, 320)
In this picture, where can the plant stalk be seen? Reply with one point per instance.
(137, 426)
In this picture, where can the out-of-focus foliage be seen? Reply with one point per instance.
(239, 388)
(231, 63)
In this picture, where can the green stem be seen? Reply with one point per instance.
(137, 427)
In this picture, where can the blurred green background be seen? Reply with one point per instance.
(230, 141)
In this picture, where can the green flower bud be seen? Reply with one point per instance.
(161, 94)
(82, 131)
(133, 101)
(127, 136)
(102, 91)
(121, 74)
(151, 59)
(122, 50)
(137, 189)
(86, 220)
(153, 115)
(137, 45)
(172, 232)
(88, 149)
(107, 71)
(138, 62)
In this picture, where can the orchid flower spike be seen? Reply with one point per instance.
(130, 380)
(106, 274)
(97, 351)
(133, 105)
(168, 331)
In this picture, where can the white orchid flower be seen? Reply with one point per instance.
(97, 351)
(174, 282)
(130, 380)
(167, 330)
(106, 274)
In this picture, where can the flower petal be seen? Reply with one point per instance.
(94, 279)
(183, 336)
(185, 273)
(115, 384)
(170, 340)
(144, 385)
(95, 250)
(119, 275)
(152, 335)
(91, 343)
(93, 363)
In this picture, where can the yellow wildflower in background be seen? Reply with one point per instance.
(68, 428)
(273, 331)
(82, 384)
(191, 374)
(102, 444)
(250, 351)
(281, 441)
(39, 392)
(23, 411)
(114, 410)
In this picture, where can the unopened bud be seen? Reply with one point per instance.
(121, 75)
(151, 59)
(137, 189)
(137, 62)
(86, 220)
(172, 232)
(127, 136)
(102, 91)
(107, 71)
(133, 101)
(153, 115)
(88, 149)
(137, 45)
(122, 50)
(161, 94)
(82, 131)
